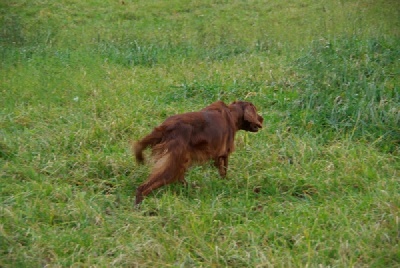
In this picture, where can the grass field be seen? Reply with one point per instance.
(317, 187)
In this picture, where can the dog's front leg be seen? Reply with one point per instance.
(222, 164)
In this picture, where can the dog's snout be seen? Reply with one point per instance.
(255, 127)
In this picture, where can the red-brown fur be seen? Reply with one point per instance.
(196, 137)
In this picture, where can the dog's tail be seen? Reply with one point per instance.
(150, 140)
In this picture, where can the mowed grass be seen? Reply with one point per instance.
(317, 187)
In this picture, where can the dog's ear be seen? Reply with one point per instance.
(252, 118)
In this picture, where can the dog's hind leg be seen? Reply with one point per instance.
(168, 169)
(172, 161)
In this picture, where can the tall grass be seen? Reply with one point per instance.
(351, 86)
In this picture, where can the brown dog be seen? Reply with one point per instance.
(195, 137)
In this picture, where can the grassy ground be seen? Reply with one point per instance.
(318, 187)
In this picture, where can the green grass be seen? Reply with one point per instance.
(317, 187)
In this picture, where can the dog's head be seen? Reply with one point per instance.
(248, 119)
